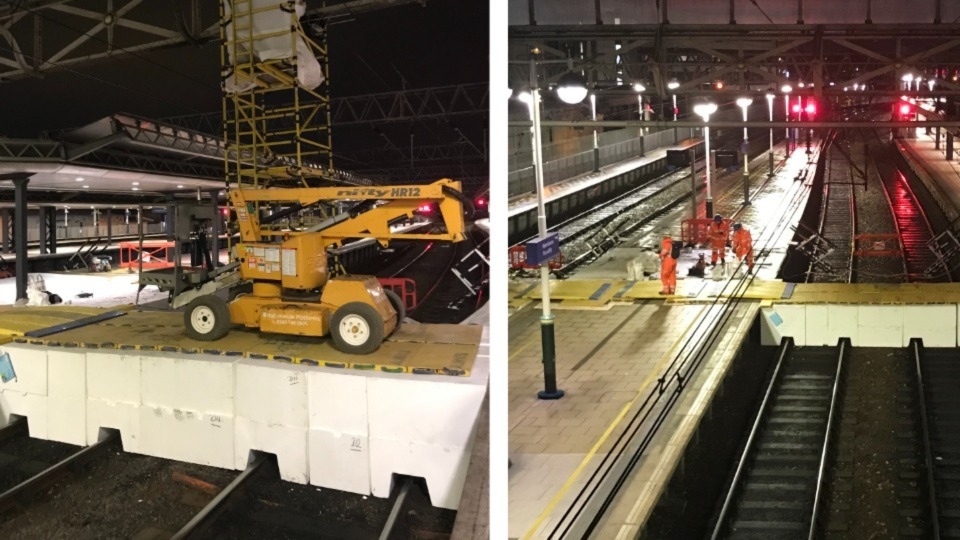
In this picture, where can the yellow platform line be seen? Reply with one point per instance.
(606, 434)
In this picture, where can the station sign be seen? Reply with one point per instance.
(541, 250)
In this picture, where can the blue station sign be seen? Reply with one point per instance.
(541, 250)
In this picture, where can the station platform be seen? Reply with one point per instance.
(525, 202)
(929, 163)
(616, 340)
(615, 337)
(334, 421)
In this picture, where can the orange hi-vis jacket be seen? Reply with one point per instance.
(718, 233)
(742, 241)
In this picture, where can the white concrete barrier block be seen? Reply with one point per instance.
(843, 324)
(288, 443)
(818, 326)
(444, 469)
(422, 427)
(935, 324)
(783, 320)
(30, 364)
(338, 442)
(188, 382)
(124, 417)
(67, 420)
(879, 326)
(880, 336)
(32, 406)
(340, 461)
(868, 315)
(187, 435)
(67, 373)
(272, 393)
(113, 376)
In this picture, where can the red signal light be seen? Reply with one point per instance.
(810, 109)
(719, 85)
(481, 202)
(904, 109)
(796, 108)
(426, 209)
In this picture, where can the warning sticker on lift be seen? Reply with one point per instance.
(289, 262)
(272, 254)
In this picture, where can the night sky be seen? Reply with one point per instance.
(442, 43)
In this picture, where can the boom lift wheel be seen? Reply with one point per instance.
(207, 318)
(356, 328)
(398, 306)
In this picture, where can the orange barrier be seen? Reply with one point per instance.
(154, 254)
(518, 259)
(697, 231)
(405, 288)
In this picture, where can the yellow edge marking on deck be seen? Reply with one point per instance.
(603, 438)
(5, 339)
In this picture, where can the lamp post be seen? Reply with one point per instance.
(673, 85)
(786, 89)
(639, 88)
(596, 140)
(704, 110)
(744, 103)
(571, 90)
(770, 97)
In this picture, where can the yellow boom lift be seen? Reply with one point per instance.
(295, 288)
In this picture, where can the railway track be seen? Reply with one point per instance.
(938, 380)
(910, 220)
(448, 299)
(243, 510)
(838, 219)
(39, 465)
(777, 488)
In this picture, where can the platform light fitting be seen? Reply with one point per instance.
(79, 179)
(637, 87)
(786, 89)
(572, 88)
(673, 85)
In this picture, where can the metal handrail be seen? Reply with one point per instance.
(844, 345)
(928, 454)
(786, 346)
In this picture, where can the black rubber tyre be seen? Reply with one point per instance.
(356, 328)
(207, 318)
(398, 306)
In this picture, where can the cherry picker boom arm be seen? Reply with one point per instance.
(400, 202)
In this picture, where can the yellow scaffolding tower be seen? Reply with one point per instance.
(277, 129)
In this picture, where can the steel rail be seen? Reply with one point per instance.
(786, 347)
(395, 511)
(203, 519)
(14, 496)
(818, 496)
(927, 451)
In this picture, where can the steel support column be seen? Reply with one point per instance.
(949, 146)
(20, 234)
(5, 232)
(215, 225)
(936, 140)
(51, 228)
(42, 226)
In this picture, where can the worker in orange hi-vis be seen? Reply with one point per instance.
(718, 233)
(743, 245)
(669, 253)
